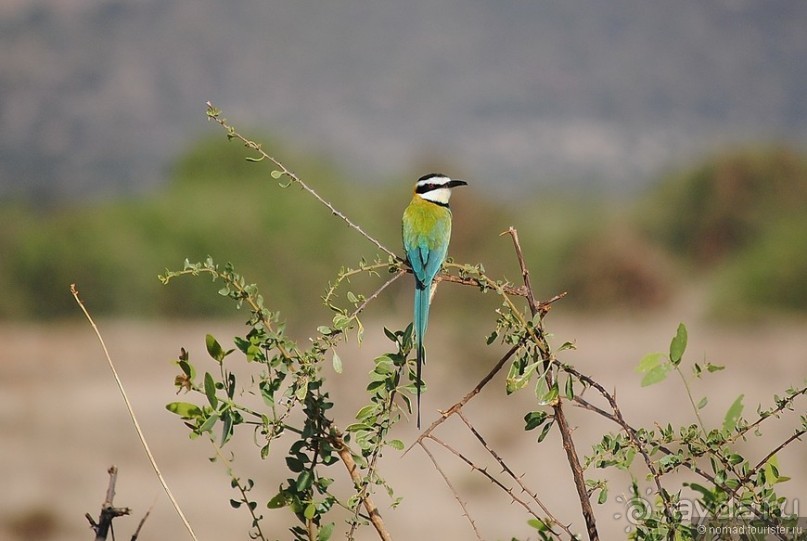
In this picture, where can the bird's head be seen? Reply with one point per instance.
(436, 187)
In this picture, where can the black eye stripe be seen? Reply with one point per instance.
(423, 188)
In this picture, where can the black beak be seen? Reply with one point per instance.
(455, 183)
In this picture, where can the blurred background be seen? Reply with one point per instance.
(652, 156)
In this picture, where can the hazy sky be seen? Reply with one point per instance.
(101, 95)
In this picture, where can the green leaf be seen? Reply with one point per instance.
(678, 345)
(341, 322)
(703, 402)
(358, 427)
(302, 388)
(734, 459)
(549, 397)
(325, 532)
(655, 375)
(367, 411)
(534, 419)
(545, 431)
(714, 367)
(310, 511)
(304, 481)
(230, 384)
(281, 500)
(185, 410)
(294, 464)
(226, 427)
(516, 381)
(772, 471)
(276, 174)
(210, 390)
(733, 414)
(337, 363)
(209, 423)
(235, 504)
(187, 368)
(649, 362)
(538, 524)
(603, 497)
(570, 388)
(214, 348)
(398, 445)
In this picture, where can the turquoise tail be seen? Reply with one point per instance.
(422, 294)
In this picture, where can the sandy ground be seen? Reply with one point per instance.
(63, 423)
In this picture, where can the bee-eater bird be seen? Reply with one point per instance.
(426, 233)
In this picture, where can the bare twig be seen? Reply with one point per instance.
(375, 294)
(485, 473)
(140, 524)
(465, 399)
(795, 436)
(132, 416)
(108, 510)
(525, 273)
(110, 490)
(465, 512)
(506, 469)
(215, 114)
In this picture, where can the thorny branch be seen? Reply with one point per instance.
(516, 478)
(629, 430)
(509, 491)
(560, 415)
(457, 497)
(465, 399)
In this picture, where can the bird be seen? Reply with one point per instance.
(426, 234)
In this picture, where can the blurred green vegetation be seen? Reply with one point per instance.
(708, 212)
(737, 222)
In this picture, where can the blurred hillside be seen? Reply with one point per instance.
(734, 224)
(99, 95)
